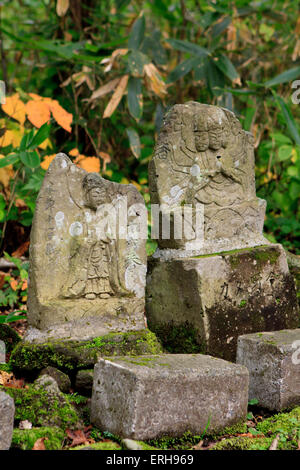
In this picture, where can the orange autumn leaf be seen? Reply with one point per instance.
(89, 164)
(38, 112)
(47, 160)
(13, 137)
(13, 283)
(15, 108)
(24, 285)
(74, 152)
(6, 173)
(39, 444)
(61, 116)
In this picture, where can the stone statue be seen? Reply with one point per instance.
(87, 255)
(220, 278)
(204, 158)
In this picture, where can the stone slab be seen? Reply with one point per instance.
(150, 396)
(7, 413)
(221, 296)
(273, 361)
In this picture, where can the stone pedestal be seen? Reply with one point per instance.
(273, 361)
(216, 298)
(152, 396)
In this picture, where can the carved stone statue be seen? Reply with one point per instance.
(218, 278)
(203, 158)
(87, 255)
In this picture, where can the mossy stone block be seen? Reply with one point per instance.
(75, 355)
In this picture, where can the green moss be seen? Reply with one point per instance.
(282, 423)
(238, 428)
(185, 442)
(243, 443)
(178, 338)
(243, 303)
(25, 439)
(41, 408)
(99, 446)
(146, 446)
(231, 252)
(76, 355)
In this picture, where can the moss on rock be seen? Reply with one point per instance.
(75, 355)
(178, 338)
(99, 446)
(25, 439)
(43, 407)
(282, 423)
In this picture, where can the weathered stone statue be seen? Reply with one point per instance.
(205, 160)
(87, 255)
(214, 275)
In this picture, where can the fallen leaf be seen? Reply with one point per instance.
(2, 278)
(74, 152)
(39, 444)
(116, 97)
(21, 250)
(15, 108)
(5, 377)
(77, 437)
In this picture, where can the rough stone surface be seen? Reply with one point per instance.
(204, 157)
(62, 380)
(75, 355)
(84, 382)
(222, 296)
(273, 361)
(7, 413)
(151, 396)
(84, 271)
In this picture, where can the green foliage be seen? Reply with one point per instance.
(236, 55)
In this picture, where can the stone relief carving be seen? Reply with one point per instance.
(203, 156)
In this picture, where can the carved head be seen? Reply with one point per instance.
(200, 133)
(94, 190)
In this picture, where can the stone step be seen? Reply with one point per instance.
(273, 361)
(150, 396)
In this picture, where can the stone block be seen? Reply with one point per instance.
(7, 413)
(273, 361)
(146, 397)
(221, 296)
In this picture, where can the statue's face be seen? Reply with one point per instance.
(96, 197)
(201, 140)
(215, 136)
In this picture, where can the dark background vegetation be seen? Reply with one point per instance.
(117, 66)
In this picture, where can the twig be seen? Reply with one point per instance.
(274, 444)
